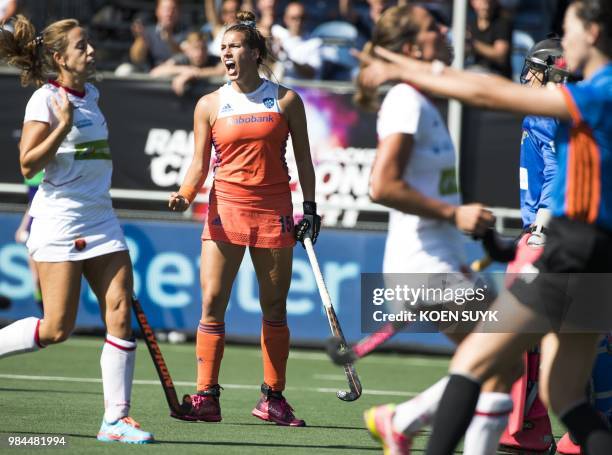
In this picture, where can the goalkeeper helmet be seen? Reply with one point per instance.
(545, 60)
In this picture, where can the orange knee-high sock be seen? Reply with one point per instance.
(210, 343)
(275, 351)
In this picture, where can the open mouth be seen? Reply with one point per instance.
(230, 66)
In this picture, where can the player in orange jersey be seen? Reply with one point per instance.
(248, 121)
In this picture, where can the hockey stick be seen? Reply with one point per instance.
(341, 354)
(496, 248)
(349, 369)
(178, 410)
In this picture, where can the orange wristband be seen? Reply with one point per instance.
(188, 192)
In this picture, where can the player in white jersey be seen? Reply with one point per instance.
(414, 174)
(417, 240)
(74, 230)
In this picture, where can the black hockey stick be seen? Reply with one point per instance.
(497, 249)
(178, 410)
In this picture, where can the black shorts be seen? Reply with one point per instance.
(570, 285)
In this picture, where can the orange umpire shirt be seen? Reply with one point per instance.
(250, 201)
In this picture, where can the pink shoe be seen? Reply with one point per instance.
(568, 447)
(273, 407)
(536, 436)
(205, 405)
(378, 421)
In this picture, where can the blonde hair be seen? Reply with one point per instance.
(33, 54)
(396, 27)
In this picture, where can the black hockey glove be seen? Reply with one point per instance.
(310, 225)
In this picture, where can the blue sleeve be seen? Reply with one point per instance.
(593, 100)
(550, 170)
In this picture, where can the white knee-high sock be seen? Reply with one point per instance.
(19, 337)
(414, 414)
(488, 423)
(117, 362)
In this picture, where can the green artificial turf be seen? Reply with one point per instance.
(58, 392)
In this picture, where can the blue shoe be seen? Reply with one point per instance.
(126, 430)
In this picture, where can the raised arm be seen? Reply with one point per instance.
(10, 9)
(479, 90)
(212, 15)
(139, 48)
(39, 143)
(345, 8)
(198, 169)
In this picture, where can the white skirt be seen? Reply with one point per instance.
(431, 257)
(62, 240)
(436, 249)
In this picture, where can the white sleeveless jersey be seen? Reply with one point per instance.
(263, 99)
(77, 181)
(414, 243)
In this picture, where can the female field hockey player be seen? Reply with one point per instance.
(529, 427)
(531, 430)
(579, 236)
(248, 120)
(74, 230)
(414, 174)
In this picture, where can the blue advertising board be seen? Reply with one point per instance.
(166, 279)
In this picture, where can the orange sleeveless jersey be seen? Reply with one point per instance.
(250, 138)
(250, 201)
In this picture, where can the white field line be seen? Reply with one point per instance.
(434, 362)
(329, 377)
(24, 377)
(397, 359)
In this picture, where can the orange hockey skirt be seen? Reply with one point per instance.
(261, 218)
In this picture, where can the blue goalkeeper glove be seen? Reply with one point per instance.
(310, 225)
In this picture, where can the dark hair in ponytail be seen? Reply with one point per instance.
(395, 27)
(254, 39)
(598, 12)
(33, 54)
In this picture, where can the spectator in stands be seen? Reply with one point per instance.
(218, 21)
(8, 8)
(489, 38)
(154, 44)
(266, 13)
(300, 56)
(363, 22)
(193, 63)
